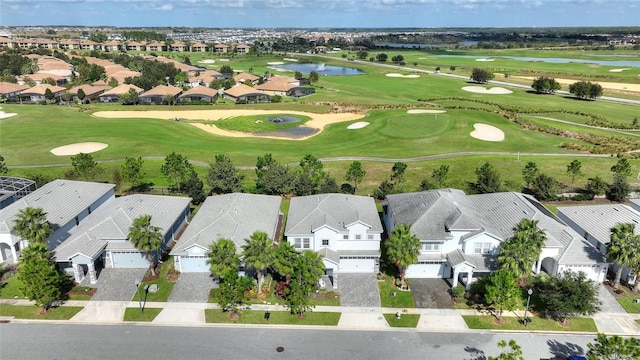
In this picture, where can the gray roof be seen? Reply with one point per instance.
(109, 225)
(480, 262)
(61, 200)
(231, 216)
(308, 213)
(597, 220)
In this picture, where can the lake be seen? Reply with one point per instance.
(321, 69)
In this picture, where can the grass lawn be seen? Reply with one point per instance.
(406, 320)
(33, 312)
(627, 302)
(10, 289)
(259, 123)
(512, 323)
(402, 299)
(81, 293)
(277, 317)
(165, 287)
(133, 314)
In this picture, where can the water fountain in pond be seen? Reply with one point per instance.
(321, 67)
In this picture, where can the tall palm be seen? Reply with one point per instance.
(146, 238)
(284, 259)
(516, 256)
(222, 257)
(257, 254)
(403, 249)
(32, 225)
(535, 237)
(622, 248)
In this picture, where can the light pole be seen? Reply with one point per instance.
(526, 320)
(138, 291)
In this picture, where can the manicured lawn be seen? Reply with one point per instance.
(10, 289)
(277, 317)
(133, 314)
(33, 312)
(259, 123)
(406, 320)
(164, 286)
(512, 323)
(627, 302)
(81, 293)
(402, 299)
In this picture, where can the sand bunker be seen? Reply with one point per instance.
(4, 115)
(223, 59)
(77, 148)
(411, 76)
(425, 111)
(485, 59)
(619, 70)
(289, 59)
(207, 61)
(275, 63)
(318, 121)
(487, 132)
(358, 125)
(483, 90)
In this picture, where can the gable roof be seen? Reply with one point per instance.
(7, 87)
(42, 89)
(597, 220)
(87, 89)
(121, 89)
(162, 90)
(245, 76)
(199, 90)
(308, 213)
(113, 220)
(242, 89)
(231, 216)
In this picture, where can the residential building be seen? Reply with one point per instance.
(113, 95)
(37, 93)
(199, 93)
(11, 91)
(160, 95)
(14, 188)
(247, 94)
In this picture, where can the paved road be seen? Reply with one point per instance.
(60, 341)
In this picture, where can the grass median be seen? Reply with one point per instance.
(401, 299)
(276, 317)
(404, 321)
(542, 324)
(134, 314)
(34, 312)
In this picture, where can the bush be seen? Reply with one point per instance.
(457, 291)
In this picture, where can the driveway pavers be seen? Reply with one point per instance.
(431, 293)
(192, 288)
(117, 284)
(609, 303)
(359, 290)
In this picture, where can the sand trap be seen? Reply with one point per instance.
(358, 125)
(487, 132)
(318, 121)
(275, 63)
(223, 59)
(207, 61)
(4, 115)
(411, 76)
(619, 70)
(483, 90)
(425, 111)
(289, 59)
(485, 59)
(77, 148)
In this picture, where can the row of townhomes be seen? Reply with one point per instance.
(460, 234)
(249, 88)
(112, 45)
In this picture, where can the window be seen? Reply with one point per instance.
(306, 243)
(302, 243)
(370, 237)
(481, 248)
(430, 246)
(358, 237)
(345, 237)
(325, 242)
(297, 243)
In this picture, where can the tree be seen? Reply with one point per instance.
(382, 57)
(502, 291)
(223, 177)
(480, 75)
(195, 188)
(303, 185)
(32, 225)
(258, 254)
(355, 173)
(146, 238)
(177, 169)
(329, 185)
(544, 187)
(3, 166)
(385, 187)
(131, 170)
(41, 281)
(313, 167)
(222, 257)
(402, 249)
(397, 59)
(568, 295)
(85, 165)
(284, 259)
(622, 168)
(530, 172)
(113, 82)
(232, 291)
(297, 75)
(452, 68)
(440, 175)
(48, 94)
(585, 90)
(619, 189)
(545, 85)
(81, 95)
(519, 252)
(623, 248)
(596, 186)
(574, 169)
(275, 179)
(307, 271)
(514, 352)
(397, 173)
(313, 77)
(226, 70)
(614, 348)
(361, 54)
(488, 179)
(128, 98)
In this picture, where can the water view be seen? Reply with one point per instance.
(321, 69)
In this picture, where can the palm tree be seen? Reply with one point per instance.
(403, 249)
(623, 248)
(284, 259)
(257, 254)
(32, 225)
(519, 252)
(535, 237)
(222, 257)
(146, 238)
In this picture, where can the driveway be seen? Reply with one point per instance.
(117, 284)
(360, 290)
(192, 288)
(431, 293)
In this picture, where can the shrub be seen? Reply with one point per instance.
(457, 291)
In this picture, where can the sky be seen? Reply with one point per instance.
(321, 13)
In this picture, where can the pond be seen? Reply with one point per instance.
(619, 63)
(321, 69)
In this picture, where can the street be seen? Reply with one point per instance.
(71, 341)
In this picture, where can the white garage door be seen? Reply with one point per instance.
(194, 264)
(425, 271)
(593, 273)
(357, 265)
